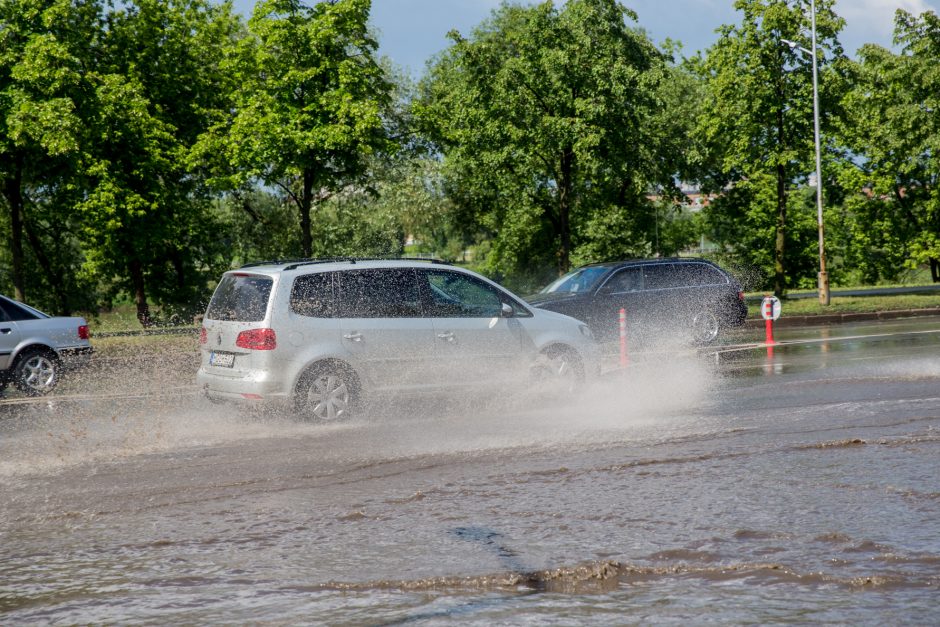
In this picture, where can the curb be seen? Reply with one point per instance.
(797, 321)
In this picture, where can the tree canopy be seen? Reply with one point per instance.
(546, 118)
(148, 145)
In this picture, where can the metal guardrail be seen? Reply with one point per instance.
(868, 291)
(146, 332)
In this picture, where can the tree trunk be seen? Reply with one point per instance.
(179, 268)
(14, 195)
(55, 279)
(935, 270)
(306, 239)
(140, 294)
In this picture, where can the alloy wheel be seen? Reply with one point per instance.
(328, 397)
(704, 327)
(36, 374)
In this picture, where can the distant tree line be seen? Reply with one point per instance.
(149, 145)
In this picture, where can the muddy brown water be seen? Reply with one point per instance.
(722, 487)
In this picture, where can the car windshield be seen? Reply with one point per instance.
(580, 280)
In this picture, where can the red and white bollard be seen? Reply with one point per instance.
(624, 358)
(770, 310)
(768, 321)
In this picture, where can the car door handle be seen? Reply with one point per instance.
(353, 337)
(6, 330)
(447, 337)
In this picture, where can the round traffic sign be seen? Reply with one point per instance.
(770, 308)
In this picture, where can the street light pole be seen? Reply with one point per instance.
(823, 275)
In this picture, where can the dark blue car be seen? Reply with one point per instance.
(690, 296)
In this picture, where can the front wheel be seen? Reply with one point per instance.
(36, 372)
(327, 393)
(560, 368)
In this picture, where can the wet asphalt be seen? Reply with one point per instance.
(736, 483)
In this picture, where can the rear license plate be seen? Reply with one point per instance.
(222, 360)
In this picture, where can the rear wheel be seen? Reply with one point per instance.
(36, 372)
(327, 393)
(705, 327)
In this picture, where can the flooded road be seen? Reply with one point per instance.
(728, 485)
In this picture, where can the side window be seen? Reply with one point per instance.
(701, 274)
(456, 295)
(15, 312)
(662, 276)
(379, 293)
(626, 280)
(312, 295)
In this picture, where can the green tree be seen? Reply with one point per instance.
(310, 104)
(545, 117)
(43, 50)
(757, 115)
(158, 86)
(892, 212)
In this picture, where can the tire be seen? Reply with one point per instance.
(560, 368)
(327, 393)
(705, 327)
(36, 372)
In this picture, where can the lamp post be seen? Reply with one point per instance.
(823, 277)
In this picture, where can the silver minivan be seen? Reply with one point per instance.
(319, 336)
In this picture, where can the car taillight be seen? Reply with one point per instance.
(741, 296)
(203, 335)
(257, 339)
(83, 332)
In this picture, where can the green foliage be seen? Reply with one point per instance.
(308, 106)
(550, 124)
(757, 123)
(42, 98)
(892, 211)
(147, 146)
(156, 91)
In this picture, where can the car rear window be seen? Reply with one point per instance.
(240, 298)
(670, 275)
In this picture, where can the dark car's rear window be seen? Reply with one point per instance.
(240, 298)
(670, 275)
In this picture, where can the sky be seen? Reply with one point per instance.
(412, 31)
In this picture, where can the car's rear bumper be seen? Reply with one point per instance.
(738, 315)
(248, 390)
(77, 357)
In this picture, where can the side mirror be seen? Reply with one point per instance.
(506, 311)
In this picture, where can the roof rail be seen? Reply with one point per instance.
(302, 260)
(293, 264)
